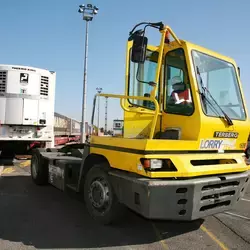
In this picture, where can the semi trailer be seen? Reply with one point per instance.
(180, 154)
(27, 117)
(27, 97)
(66, 130)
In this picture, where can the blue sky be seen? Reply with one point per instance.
(50, 34)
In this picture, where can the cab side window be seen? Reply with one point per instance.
(140, 76)
(178, 95)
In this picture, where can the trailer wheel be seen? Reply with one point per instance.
(100, 198)
(39, 168)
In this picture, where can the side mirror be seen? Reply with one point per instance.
(139, 49)
(239, 71)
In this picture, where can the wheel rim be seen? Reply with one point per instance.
(34, 166)
(99, 195)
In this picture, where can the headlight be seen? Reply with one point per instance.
(158, 164)
(151, 163)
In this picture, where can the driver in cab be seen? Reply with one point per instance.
(181, 93)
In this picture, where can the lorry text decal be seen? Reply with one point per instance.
(217, 144)
(210, 144)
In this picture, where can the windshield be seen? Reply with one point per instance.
(219, 77)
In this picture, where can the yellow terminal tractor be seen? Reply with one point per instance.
(180, 156)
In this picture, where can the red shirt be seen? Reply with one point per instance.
(182, 97)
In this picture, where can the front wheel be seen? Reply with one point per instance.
(100, 198)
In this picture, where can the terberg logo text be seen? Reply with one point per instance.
(219, 134)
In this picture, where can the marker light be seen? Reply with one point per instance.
(167, 37)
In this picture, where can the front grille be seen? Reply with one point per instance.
(212, 162)
(232, 184)
(3, 81)
(223, 194)
(218, 195)
(44, 88)
(216, 205)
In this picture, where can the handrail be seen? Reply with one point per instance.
(156, 113)
(137, 111)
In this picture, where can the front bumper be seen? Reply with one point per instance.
(188, 199)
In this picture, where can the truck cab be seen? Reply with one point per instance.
(180, 154)
(198, 91)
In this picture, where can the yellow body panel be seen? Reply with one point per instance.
(125, 153)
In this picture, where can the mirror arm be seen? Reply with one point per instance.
(158, 25)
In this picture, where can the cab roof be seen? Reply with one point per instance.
(192, 46)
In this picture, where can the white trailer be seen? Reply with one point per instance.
(27, 99)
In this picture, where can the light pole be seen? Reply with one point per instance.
(88, 13)
(99, 90)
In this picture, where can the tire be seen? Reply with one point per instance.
(248, 152)
(111, 210)
(39, 168)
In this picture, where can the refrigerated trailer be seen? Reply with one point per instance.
(66, 130)
(27, 98)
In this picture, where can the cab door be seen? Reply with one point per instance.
(178, 109)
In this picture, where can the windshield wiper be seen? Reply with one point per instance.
(226, 117)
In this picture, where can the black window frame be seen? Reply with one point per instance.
(165, 87)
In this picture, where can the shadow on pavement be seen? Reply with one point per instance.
(45, 217)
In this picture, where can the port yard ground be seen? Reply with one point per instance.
(32, 217)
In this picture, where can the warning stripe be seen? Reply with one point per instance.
(24, 164)
(8, 170)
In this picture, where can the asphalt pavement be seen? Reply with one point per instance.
(33, 217)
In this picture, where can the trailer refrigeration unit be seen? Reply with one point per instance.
(27, 97)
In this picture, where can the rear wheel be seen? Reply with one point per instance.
(100, 198)
(39, 168)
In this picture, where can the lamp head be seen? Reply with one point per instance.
(80, 10)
